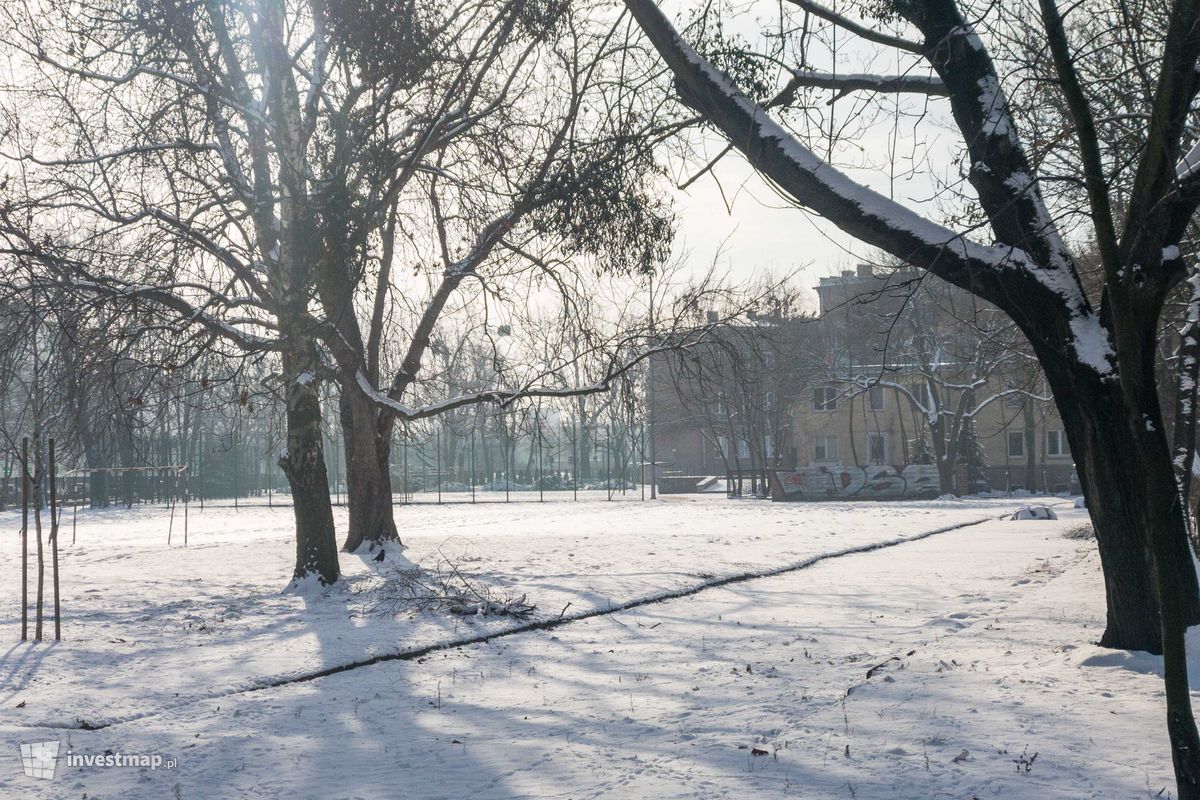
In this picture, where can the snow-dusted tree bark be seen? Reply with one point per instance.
(303, 462)
(1098, 356)
(1183, 433)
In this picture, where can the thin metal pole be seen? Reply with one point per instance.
(438, 477)
(537, 418)
(472, 463)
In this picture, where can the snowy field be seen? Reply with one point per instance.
(952, 665)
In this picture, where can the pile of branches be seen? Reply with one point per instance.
(444, 589)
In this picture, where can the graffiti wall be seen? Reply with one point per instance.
(914, 482)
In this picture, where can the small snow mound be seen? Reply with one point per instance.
(949, 497)
(1080, 502)
(383, 554)
(1139, 661)
(1034, 512)
(310, 585)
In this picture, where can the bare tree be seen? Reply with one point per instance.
(739, 387)
(263, 168)
(1098, 351)
(538, 97)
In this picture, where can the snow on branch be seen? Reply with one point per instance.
(1190, 163)
(860, 82)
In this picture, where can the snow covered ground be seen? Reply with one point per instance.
(937, 667)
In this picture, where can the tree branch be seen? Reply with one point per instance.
(857, 28)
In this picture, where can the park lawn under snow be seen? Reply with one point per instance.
(928, 669)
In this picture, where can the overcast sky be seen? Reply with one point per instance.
(759, 230)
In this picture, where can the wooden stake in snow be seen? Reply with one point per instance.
(37, 528)
(24, 538)
(54, 544)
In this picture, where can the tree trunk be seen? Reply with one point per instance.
(585, 452)
(304, 465)
(1030, 437)
(943, 456)
(368, 473)
(1112, 466)
(1166, 529)
(945, 469)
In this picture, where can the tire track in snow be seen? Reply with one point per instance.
(538, 625)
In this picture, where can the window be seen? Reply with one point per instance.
(743, 450)
(825, 448)
(920, 390)
(1016, 444)
(875, 398)
(878, 448)
(824, 398)
(769, 446)
(1056, 443)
